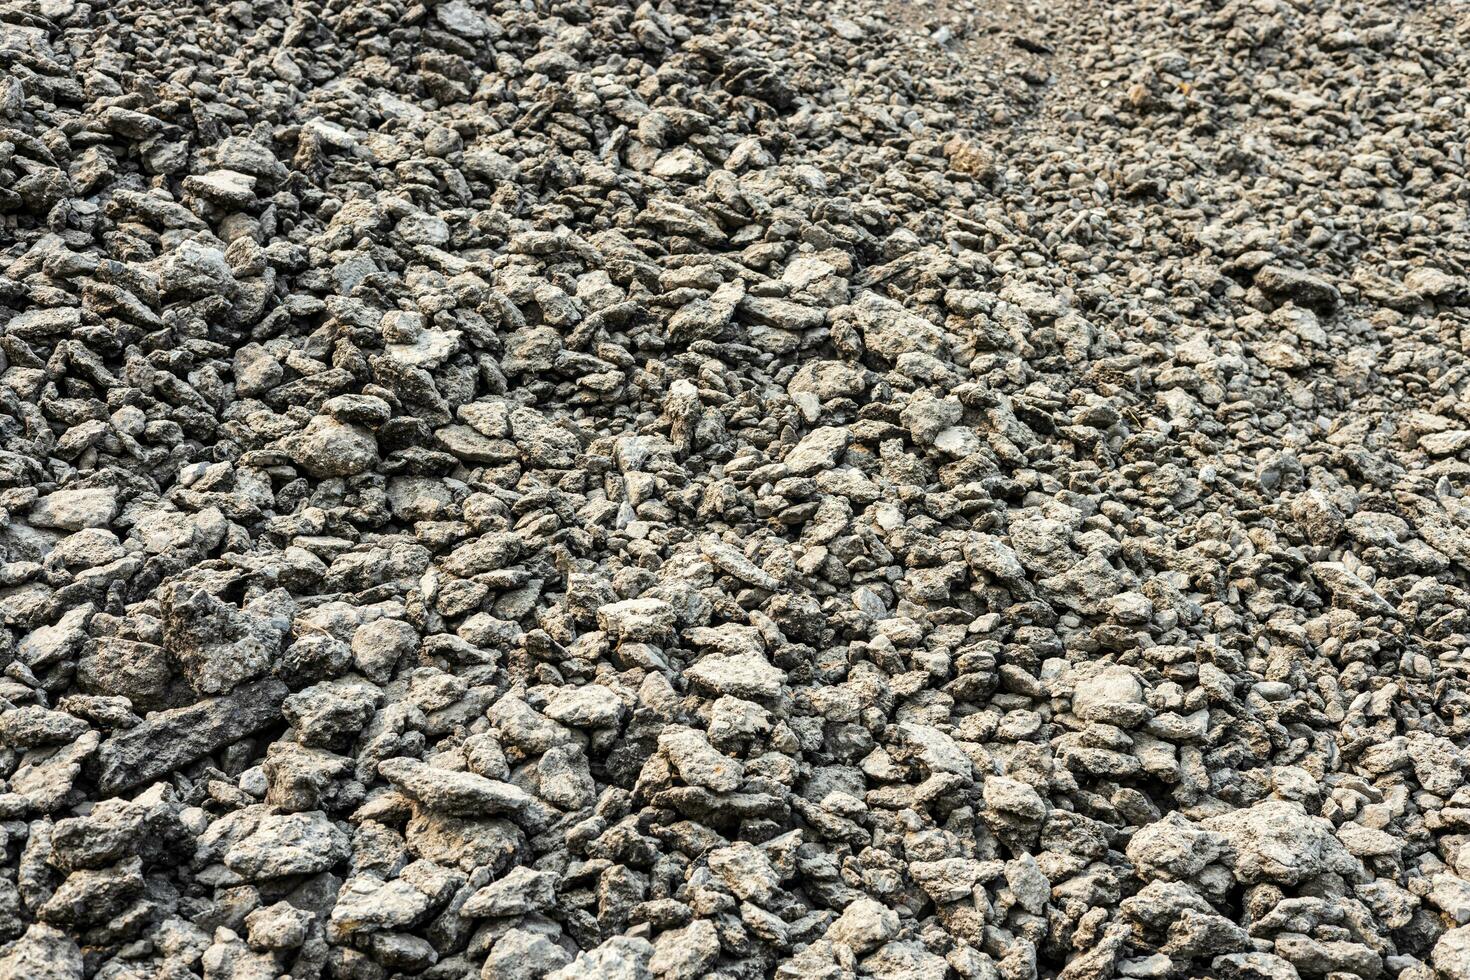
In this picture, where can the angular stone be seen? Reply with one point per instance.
(169, 740)
(742, 675)
(330, 448)
(864, 925)
(520, 892)
(288, 844)
(450, 791)
(72, 510)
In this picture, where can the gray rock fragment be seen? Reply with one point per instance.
(167, 740)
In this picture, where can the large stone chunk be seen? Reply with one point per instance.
(193, 270)
(588, 706)
(35, 324)
(466, 843)
(45, 777)
(742, 675)
(367, 904)
(31, 725)
(218, 646)
(697, 762)
(92, 896)
(142, 672)
(932, 749)
(619, 958)
(523, 955)
(521, 892)
(449, 791)
(1254, 966)
(638, 620)
(1280, 842)
(1086, 585)
(1174, 849)
(72, 510)
(226, 188)
(43, 953)
(1112, 695)
(1451, 955)
(115, 829)
(987, 553)
(746, 871)
(818, 450)
(281, 926)
(419, 498)
(948, 879)
(47, 645)
(889, 330)
(246, 156)
(864, 925)
(1350, 591)
(168, 740)
(736, 565)
(1281, 284)
(486, 553)
(1437, 763)
(288, 844)
(379, 646)
(826, 380)
(328, 448)
(542, 443)
(463, 19)
(687, 953)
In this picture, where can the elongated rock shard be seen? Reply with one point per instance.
(172, 739)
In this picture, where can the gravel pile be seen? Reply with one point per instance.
(565, 488)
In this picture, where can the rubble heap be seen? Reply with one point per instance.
(565, 488)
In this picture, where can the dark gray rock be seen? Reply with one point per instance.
(167, 740)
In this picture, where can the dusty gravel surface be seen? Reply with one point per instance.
(511, 489)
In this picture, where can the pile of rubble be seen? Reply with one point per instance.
(558, 488)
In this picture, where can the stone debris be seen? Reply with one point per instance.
(604, 490)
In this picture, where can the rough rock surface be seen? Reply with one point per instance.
(608, 490)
